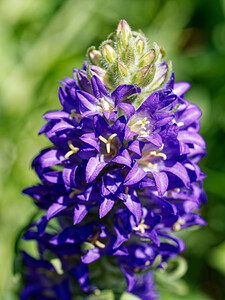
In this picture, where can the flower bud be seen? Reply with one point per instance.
(94, 56)
(163, 73)
(98, 71)
(102, 74)
(108, 53)
(123, 31)
(140, 46)
(147, 58)
(145, 75)
(122, 68)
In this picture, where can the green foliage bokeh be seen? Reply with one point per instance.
(40, 43)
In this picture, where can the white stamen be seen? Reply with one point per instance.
(179, 124)
(141, 227)
(178, 223)
(107, 142)
(158, 153)
(139, 126)
(100, 244)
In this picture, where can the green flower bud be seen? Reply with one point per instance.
(145, 75)
(122, 68)
(163, 73)
(94, 56)
(102, 74)
(140, 46)
(123, 32)
(147, 58)
(108, 53)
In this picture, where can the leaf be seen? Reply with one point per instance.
(181, 267)
(165, 295)
(176, 286)
(217, 258)
(129, 296)
(171, 280)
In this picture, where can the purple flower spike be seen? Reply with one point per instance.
(121, 174)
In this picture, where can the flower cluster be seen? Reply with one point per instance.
(121, 175)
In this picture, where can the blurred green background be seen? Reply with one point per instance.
(42, 40)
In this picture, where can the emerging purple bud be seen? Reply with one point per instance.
(123, 32)
(145, 75)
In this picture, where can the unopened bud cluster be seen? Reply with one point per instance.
(125, 58)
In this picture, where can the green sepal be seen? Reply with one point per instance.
(157, 51)
(116, 75)
(56, 262)
(122, 70)
(129, 58)
(89, 72)
(147, 58)
(87, 246)
(163, 52)
(145, 75)
(111, 36)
